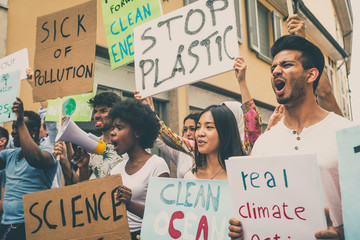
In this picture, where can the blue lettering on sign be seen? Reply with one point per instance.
(125, 47)
(190, 196)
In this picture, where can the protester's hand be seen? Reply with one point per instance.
(59, 149)
(146, 101)
(277, 115)
(240, 69)
(63, 119)
(123, 194)
(81, 157)
(18, 109)
(330, 233)
(235, 229)
(296, 26)
(30, 76)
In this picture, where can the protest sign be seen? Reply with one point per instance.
(349, 168)
(9, 90)
(277, 197)
(65, 52)
(87, 210)
(185, 46)
(17, 61)
(76, 106)
(186, 209)
(120, 18)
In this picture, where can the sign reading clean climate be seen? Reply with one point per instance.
(277, 197)
(65, 52)
(186, 209)
(120, 18)
(185, 46)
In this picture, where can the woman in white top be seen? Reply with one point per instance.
(217, 138)
(135, 128)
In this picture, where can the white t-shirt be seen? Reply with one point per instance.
(138, 183)
(183, 161)
(320, 139)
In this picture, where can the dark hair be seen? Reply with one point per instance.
(311, 55)
(193, 116)
(141, 119)
(33, 125)
(108, 99)
(4, 133)
(229, 137)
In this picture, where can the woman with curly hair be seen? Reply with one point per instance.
(134, 129)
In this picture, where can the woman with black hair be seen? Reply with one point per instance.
(217, 138)
(134, 129)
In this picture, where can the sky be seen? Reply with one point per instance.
(354, 77)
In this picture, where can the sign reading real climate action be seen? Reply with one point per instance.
(65, 52)
(120, 18)
(184, 46)
(277, 197)
(186, 209)
(87, 210)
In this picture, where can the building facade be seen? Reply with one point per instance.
(260, 23)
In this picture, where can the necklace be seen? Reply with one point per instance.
(214, 174)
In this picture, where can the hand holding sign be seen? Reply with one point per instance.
(296, 26)
(330, 233)
(235, 229)
(18, 109)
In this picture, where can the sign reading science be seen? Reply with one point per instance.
(185, 46)
(65, 52)
(87, 210)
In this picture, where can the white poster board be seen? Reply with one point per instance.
(17, 61)
(277, 197)
(185, 46)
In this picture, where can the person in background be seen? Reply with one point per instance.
(134, 129)
(92, 166)
(247, 118)
(4, 138)
(29, 168)
(48, 129)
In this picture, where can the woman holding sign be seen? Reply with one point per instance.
(134, 129)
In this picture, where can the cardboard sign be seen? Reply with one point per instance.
(185, 46)
(17, 61)
(87, 210)
(277, 197)
(65, 52)
(9, 90)
(120, 18)
(76, 106)
(186, 209)
(349, 168)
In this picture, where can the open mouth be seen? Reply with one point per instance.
(279, 86)
(114, 143)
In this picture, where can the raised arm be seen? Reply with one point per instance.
(33, 154)
(251, 119)
(324, 93)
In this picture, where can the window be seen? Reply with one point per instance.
(237, 6)
(263, 15)
(329, 72)
(258, 18)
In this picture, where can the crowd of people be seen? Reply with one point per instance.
(305, 122)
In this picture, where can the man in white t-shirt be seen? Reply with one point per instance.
(306, 127)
